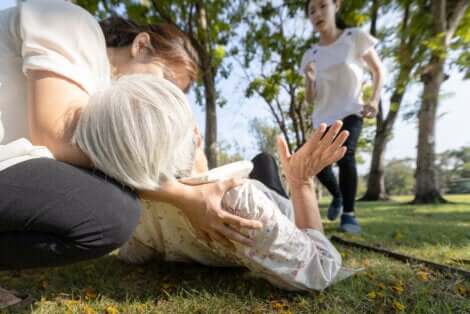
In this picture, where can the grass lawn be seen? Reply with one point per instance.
(438, 233)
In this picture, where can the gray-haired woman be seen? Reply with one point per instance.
(142, 112)
(59, 211)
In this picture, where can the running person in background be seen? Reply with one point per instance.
(334, 75)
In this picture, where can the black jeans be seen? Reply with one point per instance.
(347, 187)
(53, 214)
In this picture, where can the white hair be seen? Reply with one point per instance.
(138, 131)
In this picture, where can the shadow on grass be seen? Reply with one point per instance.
(157, 281)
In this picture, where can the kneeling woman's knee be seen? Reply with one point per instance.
(123, 218)
(116, 213)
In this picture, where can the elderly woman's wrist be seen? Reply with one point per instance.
(300, 183)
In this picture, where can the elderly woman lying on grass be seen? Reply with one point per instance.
(141, 132)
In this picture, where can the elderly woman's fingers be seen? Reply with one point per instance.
(283, 150)
(339, 140)
(329, 137)
(337, 155)
(239, 222)
(314, 140)
(335, 146)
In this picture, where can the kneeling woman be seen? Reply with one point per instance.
(120, 130)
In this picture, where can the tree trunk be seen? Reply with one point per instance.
(211, 119)
(208, 77)
(427, 188)
(376, 180)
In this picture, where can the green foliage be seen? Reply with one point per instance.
(453, 165)
(466, 170)
(265, 135)
(461, 43)
(229, 153)
(399, 177)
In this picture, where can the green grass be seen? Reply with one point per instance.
(439, 233)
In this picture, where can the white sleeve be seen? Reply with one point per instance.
(283, 254)
(363, 41)
(63, 38)
(306, 59)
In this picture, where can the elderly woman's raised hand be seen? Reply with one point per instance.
(322, 149)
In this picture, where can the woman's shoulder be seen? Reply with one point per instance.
(63, 38)
(356, 32)
(308, 56)
(57, 13)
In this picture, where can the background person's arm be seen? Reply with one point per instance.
(375, 66)
(310, 78)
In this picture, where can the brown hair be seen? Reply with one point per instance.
(170, 45)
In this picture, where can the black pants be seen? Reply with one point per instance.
(53, 214)
(266, 171)
(347, 187)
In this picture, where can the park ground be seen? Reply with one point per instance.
(438, 233)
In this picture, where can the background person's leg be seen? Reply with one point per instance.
(347, 165)
(54, 214)
(348, 177)
(328, 179)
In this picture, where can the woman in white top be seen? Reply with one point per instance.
(290, 250)
(334, 77)
(53, 56)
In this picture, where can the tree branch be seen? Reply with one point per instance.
(455, 19)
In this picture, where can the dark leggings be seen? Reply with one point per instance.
(347, 187)
(266, 171)
(53, 214)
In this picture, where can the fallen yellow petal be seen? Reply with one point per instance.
(398, 306)
(372, 295)
(461, 290)
(89, 310)
(111, 310)
(422, 276)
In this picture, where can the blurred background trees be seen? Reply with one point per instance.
(422, 42)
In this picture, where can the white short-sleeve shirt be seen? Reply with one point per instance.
(50, 35)
(339, 75)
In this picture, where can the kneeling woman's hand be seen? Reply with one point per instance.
(322, 149)
(210, 221)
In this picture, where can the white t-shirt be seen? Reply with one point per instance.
(51, 35)
(339, 75)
